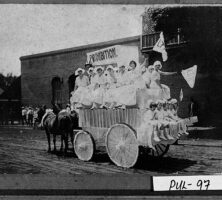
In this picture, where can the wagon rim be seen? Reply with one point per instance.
(122, 146)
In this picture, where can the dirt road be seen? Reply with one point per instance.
(24, 151)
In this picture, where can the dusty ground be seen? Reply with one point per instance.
(24, 151)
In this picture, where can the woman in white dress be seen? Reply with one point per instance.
(98, 90)
(147, 75)
(129, 83)
(80, 90)
(135, 74)
(91, 73)
(111, 81)
(158, 90)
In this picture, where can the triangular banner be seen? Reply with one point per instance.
(181, 94)
(160, 47)
(190, 75)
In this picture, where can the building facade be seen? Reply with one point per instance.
(50, 76)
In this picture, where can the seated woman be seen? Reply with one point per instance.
(158, 90)
(80, 89)
(98, 90)
(111, 81)
(128, 83)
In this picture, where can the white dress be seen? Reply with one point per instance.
(110, 89)
(157, 90)
(99, 91)
(125, 93)
(147, 129)
(78, 96)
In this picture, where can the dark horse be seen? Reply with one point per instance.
(59, 122)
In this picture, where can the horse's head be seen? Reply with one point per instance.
(74, 114)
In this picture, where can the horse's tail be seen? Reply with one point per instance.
(44, 117)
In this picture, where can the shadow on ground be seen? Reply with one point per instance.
(163, 164)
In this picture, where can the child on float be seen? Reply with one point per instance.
(80, 90)
(159, 116)
(166, 120)
(181, 122)
(147, 132)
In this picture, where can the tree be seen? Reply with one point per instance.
(6, 81)
(201, 28)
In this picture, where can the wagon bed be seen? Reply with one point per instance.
(114, 131)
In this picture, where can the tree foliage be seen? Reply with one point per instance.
(6, 80)
(201, 28)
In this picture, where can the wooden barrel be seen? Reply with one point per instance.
(122, 146)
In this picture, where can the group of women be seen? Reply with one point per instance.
(161, 123)
(120, 86)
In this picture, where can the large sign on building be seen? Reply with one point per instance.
(118, 54)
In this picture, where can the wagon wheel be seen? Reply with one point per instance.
(84, 146)
(161, 149)
(122, 146)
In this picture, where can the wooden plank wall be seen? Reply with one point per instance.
(105, 118)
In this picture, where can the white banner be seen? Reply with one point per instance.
(190, 75)
(172, 183)
(160, 47)
(118, 54)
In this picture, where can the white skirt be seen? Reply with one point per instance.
(125, 95)
(158, 92)
(98, 95)
(81, 95)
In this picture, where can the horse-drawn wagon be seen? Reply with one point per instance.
(115, 131)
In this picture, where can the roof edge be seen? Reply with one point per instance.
(83, 47)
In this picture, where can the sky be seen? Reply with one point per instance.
(30, 29)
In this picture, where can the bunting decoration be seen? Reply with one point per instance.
(190, 75)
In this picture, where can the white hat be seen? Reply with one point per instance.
(90, 69)
(159, 101)
(99, 67)
(157, 63)
(78, 70)
(150, 67)
(115, 69)
(173, 101)
(109, 67)
(119, 66)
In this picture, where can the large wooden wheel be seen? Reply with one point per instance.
(160, 150)
(122, 146)
(84, 146)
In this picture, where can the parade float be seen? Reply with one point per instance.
(118, 131)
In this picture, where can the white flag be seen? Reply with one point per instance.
(190, 75)
(160, 47)
(181, 94)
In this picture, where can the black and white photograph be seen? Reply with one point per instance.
(110, 89)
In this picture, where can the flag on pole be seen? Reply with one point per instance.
(190, 75)
(160, 47)
(181, 94)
